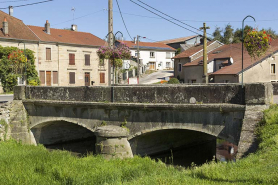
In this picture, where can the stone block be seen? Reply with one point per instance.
(249, 125)
(19, 92)
(258, 93)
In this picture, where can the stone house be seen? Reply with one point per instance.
(225, 66)
(187, 57)
(153, 56)
(63, 57)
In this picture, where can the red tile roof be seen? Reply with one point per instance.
(182, 39)
(234, 51)
(16, 28)
(67, 36)
(158, 46)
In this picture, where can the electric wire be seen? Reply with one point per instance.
(164, 17)
(28, 4)
(78, 17)
(12, 1)
(123, 19)
(169, 16)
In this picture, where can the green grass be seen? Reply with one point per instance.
(22, 164)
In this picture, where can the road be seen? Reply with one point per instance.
(156, 77)
(6, 97)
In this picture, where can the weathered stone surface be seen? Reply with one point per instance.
(111, 131)
(19, 92)
(258, 93)
(112, 142)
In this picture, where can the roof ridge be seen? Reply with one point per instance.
(11, 16)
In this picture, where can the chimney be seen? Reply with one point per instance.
(47, 27)
(134, 40)
(74, 27)
(5, 27)
(11, 10)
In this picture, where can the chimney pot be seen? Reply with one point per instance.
(47, 27)
(11, 10)
(74, 27)
(5, 27)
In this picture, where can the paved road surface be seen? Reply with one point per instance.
(6, 97)
(156, 77)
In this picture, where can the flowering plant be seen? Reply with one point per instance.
(257, 43)
(18, 61)
(120, 52)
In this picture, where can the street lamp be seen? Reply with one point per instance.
(242, 45)
(25, 75)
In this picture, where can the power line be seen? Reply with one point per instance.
(78, 17)
(164, 18)
(123, 19)
(12, 1)
(29, 4)
(169, 16)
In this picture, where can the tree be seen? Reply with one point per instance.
(217, 34)
(12, 65)
(238, 33)
(228, 34)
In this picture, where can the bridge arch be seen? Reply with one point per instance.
(64, 135)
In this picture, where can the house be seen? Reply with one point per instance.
(153, 56)
(63, 57)
(184, 42)
(225, 66)
(189, 75)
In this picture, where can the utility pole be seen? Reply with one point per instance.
(110, 37)
(138, 60)
(205, 57)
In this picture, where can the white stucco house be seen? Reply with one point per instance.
(153, 56)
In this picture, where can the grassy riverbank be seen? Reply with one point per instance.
(35, 165)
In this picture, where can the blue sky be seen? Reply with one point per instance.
(94, 15)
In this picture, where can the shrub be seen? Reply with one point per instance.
(173, 81)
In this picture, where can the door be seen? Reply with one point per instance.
(152, 65)
(48, 78)
(87, 79)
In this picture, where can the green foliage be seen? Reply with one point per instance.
(178, 51)
(228, 34)
(217, 34)
(257, 43)
(8, 74)
(173, 81)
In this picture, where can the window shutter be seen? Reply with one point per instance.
(71, 59)
(87, 60)
(42, 77)
(72, 77)
(55, 77)
(48, 53)
(102, 77)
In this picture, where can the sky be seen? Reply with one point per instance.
(92, 16)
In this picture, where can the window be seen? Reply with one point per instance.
(102, 77)
(193, 81)
(168, 55)
(48, 53)
(226, 81)
(272, 68)
(87, 60)
(179, 67)
(151, 54)
(167, 64)
(72, 77)
(55, 77)
(71, 59)
(42, 77)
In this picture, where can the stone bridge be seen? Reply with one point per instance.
(158, 118)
